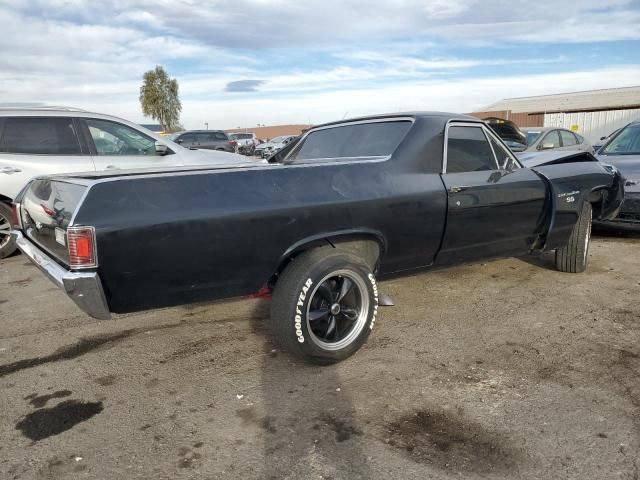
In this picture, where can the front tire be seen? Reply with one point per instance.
(572, 258)
(7, 242)
(324, 305)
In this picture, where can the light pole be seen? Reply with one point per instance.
(206, 124)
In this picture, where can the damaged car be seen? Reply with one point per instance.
(351, 203)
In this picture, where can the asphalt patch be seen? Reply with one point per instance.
(450, 442)
(47, 422)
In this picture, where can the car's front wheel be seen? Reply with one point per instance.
(7, 243)
(572, 258)
(324, 305)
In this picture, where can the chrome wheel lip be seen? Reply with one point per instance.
(5, 231)
(363, 313)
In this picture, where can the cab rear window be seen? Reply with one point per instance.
(374, 139)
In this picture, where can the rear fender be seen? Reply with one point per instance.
(368, 244)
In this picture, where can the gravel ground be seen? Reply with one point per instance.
(501, 370)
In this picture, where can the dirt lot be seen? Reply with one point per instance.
(502, 370)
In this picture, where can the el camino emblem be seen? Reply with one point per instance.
(569, 196)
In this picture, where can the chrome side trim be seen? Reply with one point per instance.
(84, 288)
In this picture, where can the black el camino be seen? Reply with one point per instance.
(351, 202)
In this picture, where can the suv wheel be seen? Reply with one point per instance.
(7, 242)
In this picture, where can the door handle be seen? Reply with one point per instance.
(458, 188)
(10, 170)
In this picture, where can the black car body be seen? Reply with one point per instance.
(623, 151)
(394, 194)
(206, 140)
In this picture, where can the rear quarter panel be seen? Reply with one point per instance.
(166, 240)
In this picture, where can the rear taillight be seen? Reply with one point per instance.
(81, 242)
(15, 215)
(233, 143)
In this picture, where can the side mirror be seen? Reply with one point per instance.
(161, 148)
(603, 138)
(546, 146)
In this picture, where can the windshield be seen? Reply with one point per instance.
(627, 142)
(277, 139)
(531, 137)
(172, 136)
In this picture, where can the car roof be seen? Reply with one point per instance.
(418, 114)
(203, 131)
(543, 129)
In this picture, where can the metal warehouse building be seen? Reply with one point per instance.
(593, 114)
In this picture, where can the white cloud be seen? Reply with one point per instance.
(379, 57)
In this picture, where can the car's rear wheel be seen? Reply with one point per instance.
(572, 258)
(7, 242)
(324, 305)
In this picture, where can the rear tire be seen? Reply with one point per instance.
(572, 258)
(324, 305)
(7, 242)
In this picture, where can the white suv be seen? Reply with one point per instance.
(46, 140)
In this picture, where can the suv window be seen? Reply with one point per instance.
(111, 138)
(375, 139)
(37, 135)
(218, 136)
(551, 138)
(468, 151)
(568, 138)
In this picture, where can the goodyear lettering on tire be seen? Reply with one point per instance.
(374, 284)
(299, 313)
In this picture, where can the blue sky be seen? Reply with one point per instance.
(244, 62)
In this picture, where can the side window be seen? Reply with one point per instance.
(551, 140)
(502, 154)
(468, 150)
(203, 137)
(187, 138)
(38, 135)
(111, 138)
(568, 138)
(220, 137)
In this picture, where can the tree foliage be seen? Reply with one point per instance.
(159, 98)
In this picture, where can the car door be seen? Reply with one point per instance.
(116, 145)
(39, 145)
(495, 206)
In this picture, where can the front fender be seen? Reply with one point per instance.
(570, 185)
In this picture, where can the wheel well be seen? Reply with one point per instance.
(5, 199)
(370, 247)
(596, 198)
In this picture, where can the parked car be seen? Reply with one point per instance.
(509, 132)
(623, 151)
(41, 141)
(267, 149)
(353, 201)
(547, 138)
(598, 145)
(206, 140)
(245, 142)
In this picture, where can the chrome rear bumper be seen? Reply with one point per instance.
(84, 288)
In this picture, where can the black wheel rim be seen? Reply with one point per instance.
(337, 310)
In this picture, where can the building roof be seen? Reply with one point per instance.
(591, 100)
